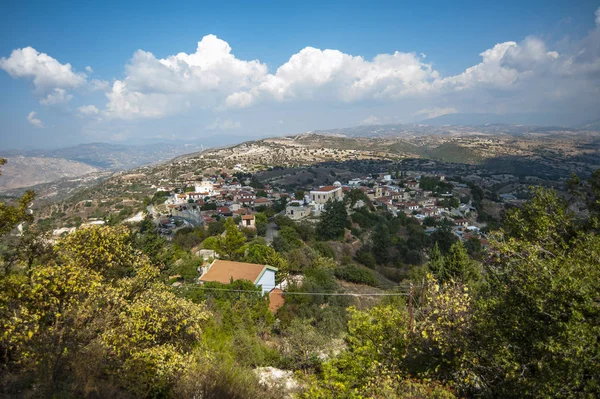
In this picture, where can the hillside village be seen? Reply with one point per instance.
(205, 201)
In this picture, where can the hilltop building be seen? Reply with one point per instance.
(320, 196)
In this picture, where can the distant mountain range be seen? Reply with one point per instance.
(441, 128)
(31, 167)
(26, 168)
(112, 156)
(530, 119)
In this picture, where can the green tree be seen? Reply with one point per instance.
(436, 261)
(287, 239)
(12, 215)
(334, 219)
(95, 316)
(381, 243)
(372, 365)
(474, 248)
(355, 195)
(261, 223)
(232, 245)
(444, 236)
(538, 318)
(264, 255)
(458, 266)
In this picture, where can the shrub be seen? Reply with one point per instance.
(364, 256)
(323, 249)
(355, 274)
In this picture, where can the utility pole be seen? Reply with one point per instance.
(410, 308)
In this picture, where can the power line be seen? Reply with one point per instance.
(316, 293)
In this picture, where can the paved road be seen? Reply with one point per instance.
(271, 232)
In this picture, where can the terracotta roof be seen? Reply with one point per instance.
(276, 299)
(247, 217)
(223, 271)
(326, 189)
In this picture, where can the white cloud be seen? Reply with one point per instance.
(370, 120)
(88, 110)
(157, 87)
(331, 74)
(598, 17)
(46, 72)
(99, 85)
(57, 96)
(35, 122)
(226, 124)
(433, 112)
(89, 69)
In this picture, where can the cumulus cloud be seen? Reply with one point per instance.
(434, 112)
(88, 110)
(213, 77)
(57, 96)
(45, 72)
(332, 74)
(226, 124)
(35, 122)
(99, 85)
(156, 87)
(89, 69)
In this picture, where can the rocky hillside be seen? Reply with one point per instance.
(34, 167)
(28, 171)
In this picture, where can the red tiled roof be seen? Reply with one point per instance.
(326, 189)
(223, 271)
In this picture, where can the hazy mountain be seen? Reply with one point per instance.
(27, 168)
(29, 171)
(591, 125)
(421, 130)
(112, 156)
(536, 119)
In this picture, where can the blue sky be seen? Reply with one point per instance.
(543, 56)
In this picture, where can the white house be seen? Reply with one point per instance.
(248, 222)
(320, 196)
(295, 211)
(205, 187)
